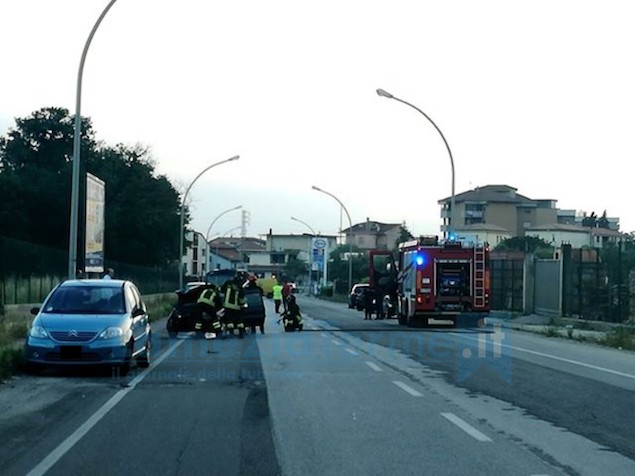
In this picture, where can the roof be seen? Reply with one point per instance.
(370, 226)
(493, 194)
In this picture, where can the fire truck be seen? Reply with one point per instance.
(445, 280)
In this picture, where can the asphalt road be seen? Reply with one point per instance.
(346, 396)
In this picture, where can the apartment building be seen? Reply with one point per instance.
(498, 205)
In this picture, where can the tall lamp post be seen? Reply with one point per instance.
(180, 255)
(77, 131)
(350, 244)
(310, 252)
(452, 223)
(220, 215)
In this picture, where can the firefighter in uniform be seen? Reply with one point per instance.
(233, 303)
(209, 304)
(293, 312)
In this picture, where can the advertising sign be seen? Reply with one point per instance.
(319, 248)
(95, 204)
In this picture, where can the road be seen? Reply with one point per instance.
(346, 396)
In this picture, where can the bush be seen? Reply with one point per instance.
(326, 291)
(10, 360)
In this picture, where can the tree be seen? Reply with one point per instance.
(296, 268)
(404, 235)
(338, 266)
(603, 221)
(142, 208)
(528, 244)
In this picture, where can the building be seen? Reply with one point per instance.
(575, 217)
(501, 206)
(558, 234)
(484, 233)
(194, 261)
(264, 258)
(373, 235)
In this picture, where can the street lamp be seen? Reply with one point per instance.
(77, 131)
(350, 243)
(305, 224)
(180, 255)
(310, 253)
(386, 94)
(220, 215)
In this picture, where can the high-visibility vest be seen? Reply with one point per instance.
(232, 297)
(207, 297)
(277, 292)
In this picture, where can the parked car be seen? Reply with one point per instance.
(355, 294)
(90, 321)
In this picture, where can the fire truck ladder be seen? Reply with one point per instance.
(479, 276)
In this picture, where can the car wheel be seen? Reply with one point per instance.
(124, 367)
(144, 359)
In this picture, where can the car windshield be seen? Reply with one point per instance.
(86, 300)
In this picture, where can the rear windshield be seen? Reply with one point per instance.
(86, 300)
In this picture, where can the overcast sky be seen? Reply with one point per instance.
(537, 95)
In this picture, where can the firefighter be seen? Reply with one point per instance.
(232, 304)
(293, 312)
(209, 303)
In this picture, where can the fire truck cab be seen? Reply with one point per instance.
(432, 279)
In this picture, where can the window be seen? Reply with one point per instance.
(195, 254)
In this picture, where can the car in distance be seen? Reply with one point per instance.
(90, 322)
(355, 295)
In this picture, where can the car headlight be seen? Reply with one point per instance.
(111, 333)
(38, 332)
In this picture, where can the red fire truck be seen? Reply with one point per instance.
(446, 280)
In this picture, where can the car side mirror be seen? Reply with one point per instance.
(35, 310)
(138, 312)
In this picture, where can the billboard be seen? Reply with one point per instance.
(95, 205)
(319, 249)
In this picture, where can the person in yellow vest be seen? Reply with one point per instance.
(233, 304)
(277, 296)
(209, 303)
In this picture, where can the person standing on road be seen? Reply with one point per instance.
(209, 303)
(233, 303)
(287, 289)
(277, 296)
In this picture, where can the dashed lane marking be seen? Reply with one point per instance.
(407, 388)
(467, 428)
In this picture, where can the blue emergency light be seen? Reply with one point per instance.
(420, 259)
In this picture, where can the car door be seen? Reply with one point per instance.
(139, 323)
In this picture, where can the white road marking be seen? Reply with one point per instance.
(470, 430)
(374, 366)
(335, 342)
(560, 359)
(408, 389)
(351, 351)
(77, 435)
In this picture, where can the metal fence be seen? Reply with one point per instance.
(29, 271)
(507, 284)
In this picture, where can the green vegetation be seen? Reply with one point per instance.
(35, 177)
(620, 337)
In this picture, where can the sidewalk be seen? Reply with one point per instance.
(604, 333)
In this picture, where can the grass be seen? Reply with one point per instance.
(620, 338)
(160, 307)
(11, 357)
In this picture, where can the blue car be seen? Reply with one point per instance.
(90, 322)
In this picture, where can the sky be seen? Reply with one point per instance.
(536, 95)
